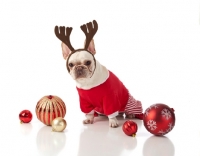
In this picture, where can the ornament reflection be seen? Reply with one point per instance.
(158, 146)
(48, 142)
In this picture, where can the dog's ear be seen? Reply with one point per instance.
(91, 47)
(65, 50)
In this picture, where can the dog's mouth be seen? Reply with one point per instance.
(80, 75)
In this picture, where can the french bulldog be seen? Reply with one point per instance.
(100, 91)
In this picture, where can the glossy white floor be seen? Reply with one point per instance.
(152, 46)
(97, 139)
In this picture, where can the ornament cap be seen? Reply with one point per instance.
(50, 96)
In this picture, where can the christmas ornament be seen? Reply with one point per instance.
(49, 108)
(159, 119)
(25, 116)
(130, 128)
(58, 124)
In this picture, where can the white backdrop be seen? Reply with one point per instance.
(152, 46)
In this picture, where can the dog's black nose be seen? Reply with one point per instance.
(79, 68)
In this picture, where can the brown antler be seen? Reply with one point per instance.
(90, 33)
(64, 37)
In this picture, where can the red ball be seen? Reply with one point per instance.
(25, 116)
(159, 119)
(130, 128)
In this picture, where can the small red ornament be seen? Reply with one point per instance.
(130, 128)
(50, 107)
(159, 119)
(25, 116)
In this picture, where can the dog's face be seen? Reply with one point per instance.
(81, 65)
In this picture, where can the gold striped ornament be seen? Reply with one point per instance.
(50, 107)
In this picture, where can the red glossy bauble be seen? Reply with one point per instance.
(50, 107)
(25, 116)
(130, 128)
(159, 119)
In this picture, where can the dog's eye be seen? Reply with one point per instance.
(87, 63)
(71, 64)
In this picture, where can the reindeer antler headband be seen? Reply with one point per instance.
(88, 30)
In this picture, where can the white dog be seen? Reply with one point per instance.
(100, 91)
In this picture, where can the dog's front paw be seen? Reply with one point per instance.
(113, 122)
(89, 120)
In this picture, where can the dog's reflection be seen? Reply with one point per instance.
(104, 140)
(158, 146)
(50, 143)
